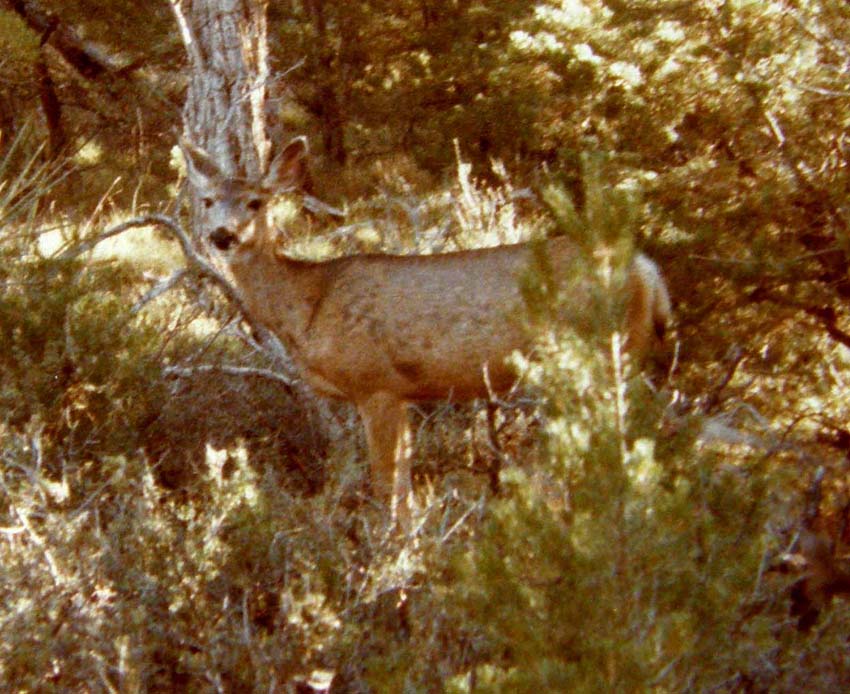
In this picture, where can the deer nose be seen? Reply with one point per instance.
(222, 238)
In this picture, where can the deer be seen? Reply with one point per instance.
(385, 331)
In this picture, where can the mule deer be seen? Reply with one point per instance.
(825, 574)
(382, 331)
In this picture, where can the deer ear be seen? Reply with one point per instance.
(288, 169)
(200, 168)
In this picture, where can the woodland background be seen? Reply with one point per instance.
(176, 514)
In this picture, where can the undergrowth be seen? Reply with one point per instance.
(196, 532)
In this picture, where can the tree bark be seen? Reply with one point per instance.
(325, 103)
(51, 106)
(225, 113)
(228, 81)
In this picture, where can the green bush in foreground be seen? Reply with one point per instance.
(623, 560)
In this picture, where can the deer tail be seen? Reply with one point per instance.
(649, 310)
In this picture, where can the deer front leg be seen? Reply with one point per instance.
(385, 418)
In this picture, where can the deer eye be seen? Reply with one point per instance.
(254, 204)
(207, 202)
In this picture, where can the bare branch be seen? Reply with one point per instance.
(732, 360)
(86, 58)
(196, 261)
(826, 315)
(190, 371)
(199, 265)
(159, 289)
(822, 91)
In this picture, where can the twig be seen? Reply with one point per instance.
(159, 289)
(733, 358)
(477, 506)
(56, 573)
(775, 128)
(764, 564)
(500, 461)
(199, 265)
(196, 261)
(821, 90)
(825, 315)
(190, 371)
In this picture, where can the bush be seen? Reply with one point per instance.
(622, 560)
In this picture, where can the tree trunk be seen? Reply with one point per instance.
(225, 113)
(325, 104)
(51, 106)
(227, 87)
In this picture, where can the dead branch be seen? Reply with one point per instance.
(266, 342)
(825, 315)
(159, 289)
(196, 261)
(198, 265)
(732, 360)
(228, 370)
(87, 59)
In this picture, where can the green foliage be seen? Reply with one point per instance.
(615, 563)
(142, 593)
(603, 231)
(71, 360)
(16, 39)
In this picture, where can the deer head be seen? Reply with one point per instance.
(232, 211)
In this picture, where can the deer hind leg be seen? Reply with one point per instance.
(387, 435)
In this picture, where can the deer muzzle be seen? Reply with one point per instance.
(222, 238)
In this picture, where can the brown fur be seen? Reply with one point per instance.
(382, 331)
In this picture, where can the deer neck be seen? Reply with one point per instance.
(279, 292)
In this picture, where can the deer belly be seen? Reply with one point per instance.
(455, 365)
(461, 381)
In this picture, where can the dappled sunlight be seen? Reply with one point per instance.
(146, 249)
